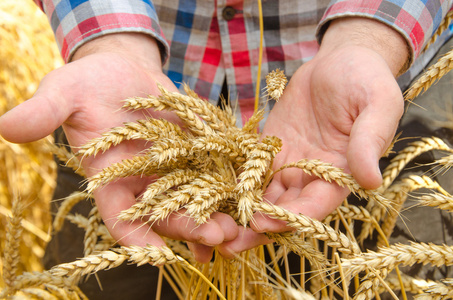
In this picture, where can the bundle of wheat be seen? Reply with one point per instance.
(215, 166)
(27, 171)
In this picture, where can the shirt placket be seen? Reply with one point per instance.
(236, 26)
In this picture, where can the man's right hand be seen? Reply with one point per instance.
(85, 97)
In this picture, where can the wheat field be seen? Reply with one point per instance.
(214, 166)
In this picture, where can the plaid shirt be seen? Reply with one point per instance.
(207, 43)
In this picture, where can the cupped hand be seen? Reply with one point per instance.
(85, 97)
(343, 108)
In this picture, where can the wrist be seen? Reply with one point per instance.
(136, 46)
(371, 34)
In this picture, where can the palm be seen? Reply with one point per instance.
(327, 114)
(86, 98)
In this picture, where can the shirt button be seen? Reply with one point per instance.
(228, 13)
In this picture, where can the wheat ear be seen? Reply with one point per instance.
(149, 129)
(437, 291)
(65, 207)
(68, 274)
(11, 254)
(301, 247)
(349, 212)
(275, 84)
(442, 27)
(125, 168)
(330, 173)
(407, 154)
(433, 74)
(258, 162)
(398, 193)
(91, 231)
(68, 158)
(399, 254)
(83, 222)
(310, 227)
(438, 200)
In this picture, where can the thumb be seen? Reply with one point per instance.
(35, 118)
(370, 137)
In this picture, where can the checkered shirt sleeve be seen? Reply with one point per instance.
(75, 22)
(416, 20)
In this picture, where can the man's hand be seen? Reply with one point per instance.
(85, 96)
(343, 108)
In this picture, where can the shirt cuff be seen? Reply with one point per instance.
(416, 21)
(76, 22)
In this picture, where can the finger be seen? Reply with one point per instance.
(202, 253)
(316, 200)
(245, 240)
(35, 118)
(215, 231)
(370, 137)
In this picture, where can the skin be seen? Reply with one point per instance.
(341, 107)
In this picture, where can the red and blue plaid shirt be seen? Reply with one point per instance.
(207, 43)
